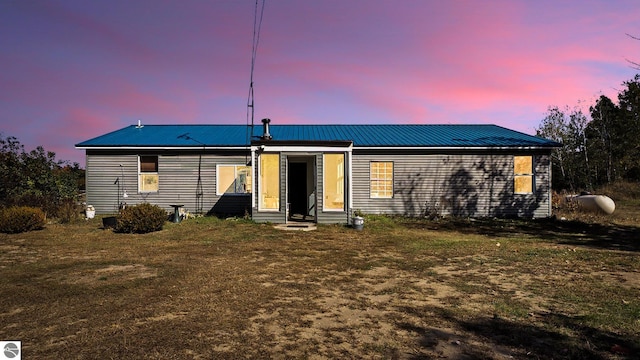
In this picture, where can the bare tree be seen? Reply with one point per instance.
(634, 65)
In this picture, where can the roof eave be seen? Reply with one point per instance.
(454, 147)
(340, 143)
(160, 147)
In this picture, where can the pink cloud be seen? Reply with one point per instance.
(101, 66)
(503, 69)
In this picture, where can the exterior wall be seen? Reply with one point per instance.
(178, 179)
(463, 184)
(473, 185)
(101, 173)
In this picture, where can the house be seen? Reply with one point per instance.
(322, 173)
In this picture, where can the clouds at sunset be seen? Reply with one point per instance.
(80, 69)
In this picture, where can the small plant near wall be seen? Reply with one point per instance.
(140, 219)
(358, 213)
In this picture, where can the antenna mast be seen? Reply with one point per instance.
(257, 25)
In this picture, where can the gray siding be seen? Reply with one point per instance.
(177, 184)
(464, 184)
(102, 172)
(474, 185)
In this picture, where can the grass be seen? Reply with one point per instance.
(401, 288)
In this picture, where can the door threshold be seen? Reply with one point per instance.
(302, 218)
(300, 226)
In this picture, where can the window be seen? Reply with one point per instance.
(381, 180)
(333, 182)
(269, 182)
(523, 174)
(233, 179)
(148, 174)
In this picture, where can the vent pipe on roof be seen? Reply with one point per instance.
(265, 129)
(140, 126)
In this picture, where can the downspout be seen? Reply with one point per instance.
(350, 183)
(549, 192)
(254, 171)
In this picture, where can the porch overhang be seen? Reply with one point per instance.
(291, 147)
(303, 143)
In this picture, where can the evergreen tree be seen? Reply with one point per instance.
(598, 151)
(629, 123)
(602, 135)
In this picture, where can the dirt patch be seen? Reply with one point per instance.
(376, 311)
(206, 289)
(109, 274)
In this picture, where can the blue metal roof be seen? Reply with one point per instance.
(398, 135)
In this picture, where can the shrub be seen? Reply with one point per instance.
(68, 211)
(17, 219)
(140, 219)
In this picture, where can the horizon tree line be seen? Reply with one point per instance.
(600, 147)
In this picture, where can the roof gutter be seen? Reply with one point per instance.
(336, 144)
(161, 147)
(453, 147)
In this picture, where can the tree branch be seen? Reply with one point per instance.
(634, 65)
(633, 37)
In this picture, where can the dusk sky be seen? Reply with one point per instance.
(71, 70)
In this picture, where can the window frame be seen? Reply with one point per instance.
(235, 176)
(261, 184)
(340, 182)
(373, 179)
(144, 173)
(524, 175)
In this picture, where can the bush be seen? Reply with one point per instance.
(17, 219)
(68, 211)
(140, 219)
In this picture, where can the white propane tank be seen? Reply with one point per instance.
(595, 203)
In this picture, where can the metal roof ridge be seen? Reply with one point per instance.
(313, 125)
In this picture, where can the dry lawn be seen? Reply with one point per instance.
(400, 289)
